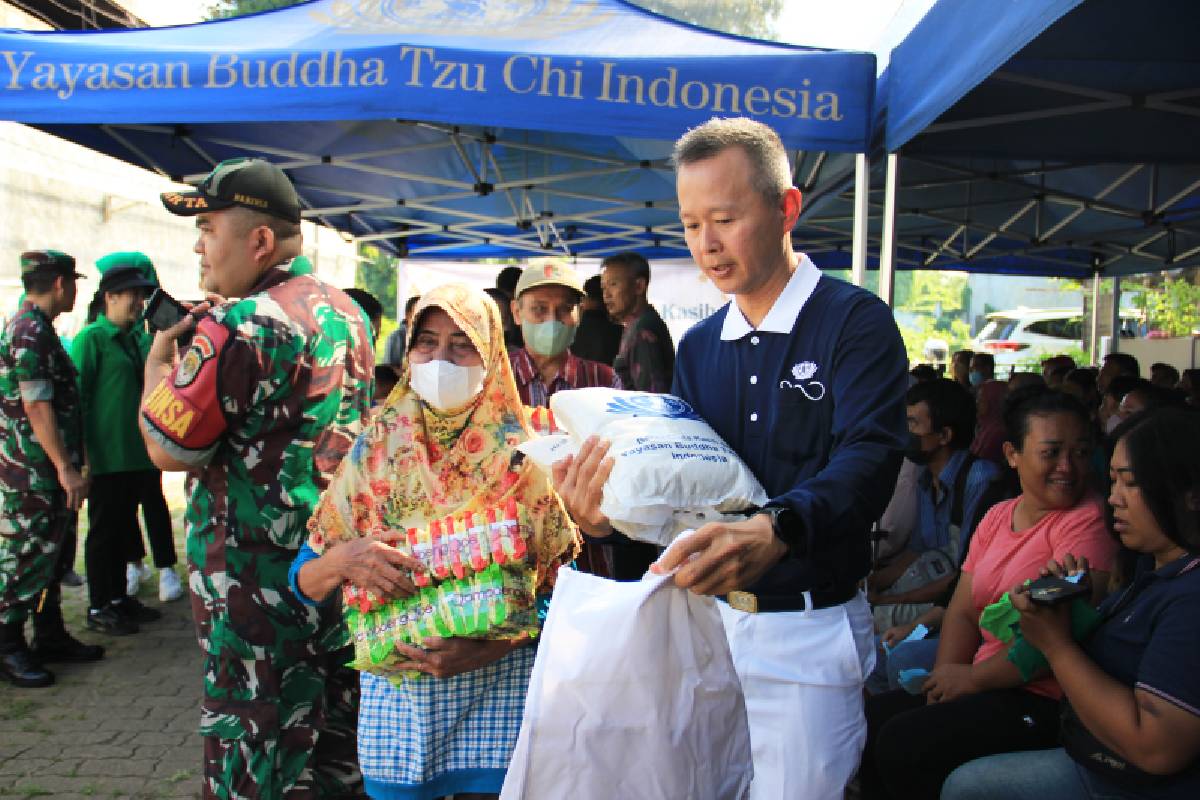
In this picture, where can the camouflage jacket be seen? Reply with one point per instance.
(34, 365)
(263, 404)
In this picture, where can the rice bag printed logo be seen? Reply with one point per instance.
(802, 380)
(651, 405)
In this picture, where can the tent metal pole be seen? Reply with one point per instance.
(862, 189)
(1094, 349)
(1115, 343)
(887, 248)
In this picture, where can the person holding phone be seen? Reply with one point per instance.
(261, 406)
(975, 701)
(1131, 704)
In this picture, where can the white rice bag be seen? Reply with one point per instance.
(671, 470)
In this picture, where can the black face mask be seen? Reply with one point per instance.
(914, 453)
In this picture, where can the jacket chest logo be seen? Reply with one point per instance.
(803, 381)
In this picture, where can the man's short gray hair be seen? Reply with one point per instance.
(771, 174)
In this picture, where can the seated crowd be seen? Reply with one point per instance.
(1005, 482)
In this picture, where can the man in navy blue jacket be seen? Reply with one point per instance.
(804, 376)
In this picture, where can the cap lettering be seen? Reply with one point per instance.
(249, 201)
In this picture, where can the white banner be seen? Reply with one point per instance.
(678, 289)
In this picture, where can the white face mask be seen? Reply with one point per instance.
(444, 385)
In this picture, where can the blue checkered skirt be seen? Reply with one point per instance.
(433, 737)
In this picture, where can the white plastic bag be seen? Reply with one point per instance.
(671, 470)
(633, 695)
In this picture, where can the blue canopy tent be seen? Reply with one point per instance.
(1052, 138)
(467, 129)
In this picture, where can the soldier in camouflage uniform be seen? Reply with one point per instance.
(41, 485)
(261, 406)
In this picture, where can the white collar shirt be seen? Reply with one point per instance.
(784, 312)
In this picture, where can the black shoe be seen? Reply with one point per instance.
(64, 647)
(130, 608)
(107, 620)
(21, 669)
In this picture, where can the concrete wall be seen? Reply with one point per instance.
(1181, 352)
(56, 194)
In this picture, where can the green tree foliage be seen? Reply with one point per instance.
(224, 9)
(377, 274)
(744, 17)
(1172, 307)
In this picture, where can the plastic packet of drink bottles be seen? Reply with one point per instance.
(464, 622)
(493, 595)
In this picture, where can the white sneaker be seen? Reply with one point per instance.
(169, 586)
(132, 579)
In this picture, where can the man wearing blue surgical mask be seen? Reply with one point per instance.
(546, 306)
(983, 369)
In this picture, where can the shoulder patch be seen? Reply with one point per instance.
(200, 350)
(185, 408)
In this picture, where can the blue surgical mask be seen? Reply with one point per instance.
(548, 338)
(975, 378)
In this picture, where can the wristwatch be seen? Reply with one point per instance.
(787, 526)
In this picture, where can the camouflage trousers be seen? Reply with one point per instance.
(311, 754)
(32, 529)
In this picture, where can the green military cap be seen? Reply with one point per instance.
(301, 265)
(54, 262)
(128, 258)
(125, 270)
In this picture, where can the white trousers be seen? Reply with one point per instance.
(802, 674)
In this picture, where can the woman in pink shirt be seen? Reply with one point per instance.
(974, 702)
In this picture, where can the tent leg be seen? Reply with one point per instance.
(887, 247)
(862, 189)
(1115, 343)
(1094, 350)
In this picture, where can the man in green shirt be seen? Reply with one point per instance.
(109, 358)
(146, 484)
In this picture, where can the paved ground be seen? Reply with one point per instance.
(124, 727)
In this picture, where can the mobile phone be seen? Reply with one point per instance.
(1050, 591)
(163, 311)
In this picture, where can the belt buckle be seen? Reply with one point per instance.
(743, 601)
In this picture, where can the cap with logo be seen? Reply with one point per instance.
(53, 262)
(249, 182)
(549, 273)
(129, 269)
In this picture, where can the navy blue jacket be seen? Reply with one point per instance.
(817, 414)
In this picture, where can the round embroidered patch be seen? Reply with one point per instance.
(201, 350)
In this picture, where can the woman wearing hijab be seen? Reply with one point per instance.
(443, 444)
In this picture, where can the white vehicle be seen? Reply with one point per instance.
(1023, 337)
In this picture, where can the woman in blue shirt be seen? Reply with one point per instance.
(1131, 714)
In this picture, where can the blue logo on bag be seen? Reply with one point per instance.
(652, 405)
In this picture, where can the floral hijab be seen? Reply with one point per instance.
(414, 464)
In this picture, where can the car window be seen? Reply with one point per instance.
(998, 328)
(1058, 328)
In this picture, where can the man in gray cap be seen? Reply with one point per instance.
(41, 484)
